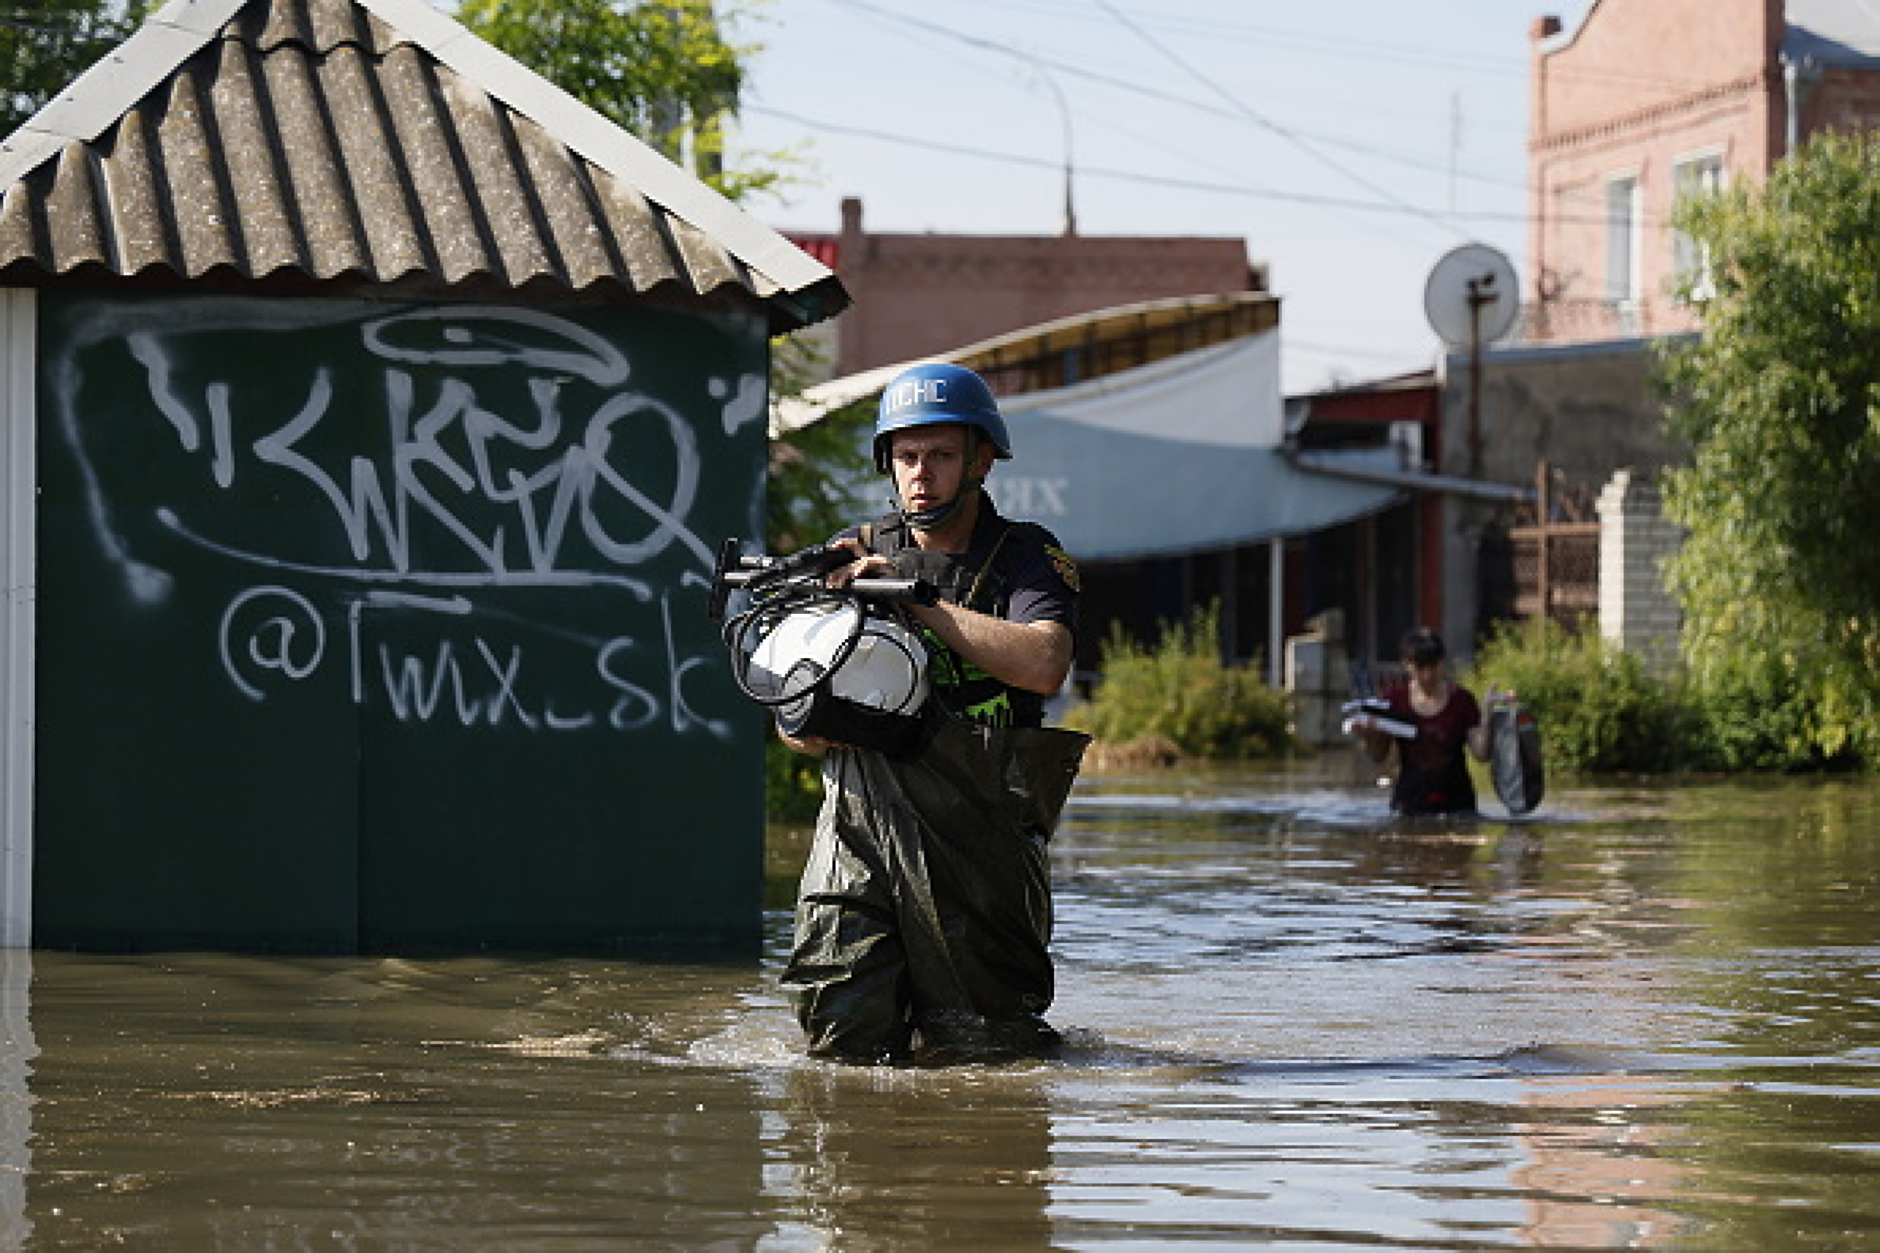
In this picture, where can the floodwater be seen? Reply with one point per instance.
(1648, 1017)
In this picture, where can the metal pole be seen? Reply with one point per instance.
(1544, 537)
(1275, 603)
(1064, 113)
(1479, 295)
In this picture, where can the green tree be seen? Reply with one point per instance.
(815, 470)
(1779, 399)
(662, 69)
(45, 44)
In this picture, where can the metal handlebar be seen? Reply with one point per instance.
(737, 570)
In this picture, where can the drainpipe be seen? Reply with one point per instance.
(1796, 78)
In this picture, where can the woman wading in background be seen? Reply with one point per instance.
(1432, 771)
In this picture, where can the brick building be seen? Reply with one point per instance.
(1648, 101)
(919, 295)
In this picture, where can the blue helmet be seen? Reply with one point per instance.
(933, 394)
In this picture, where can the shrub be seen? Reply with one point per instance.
(1599, 709)
(1181, 692)
(1773, 708)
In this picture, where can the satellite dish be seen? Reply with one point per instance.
(1470, 297)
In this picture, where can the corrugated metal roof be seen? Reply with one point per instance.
(350, 144)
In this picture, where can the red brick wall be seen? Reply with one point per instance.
(1642, 86)
(1633, 55)
(1842, 100)
(916, 295)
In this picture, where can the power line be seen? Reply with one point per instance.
(1257, 118)
(1344, 47)
(1234, 108)
(1136, 176)
(1302, 137)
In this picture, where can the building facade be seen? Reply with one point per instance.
(920, 295)
(1647, 102)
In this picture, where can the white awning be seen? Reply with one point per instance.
(1178, 456)
(1174, 457)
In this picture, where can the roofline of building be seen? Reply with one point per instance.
(790, 414)
(1413, 380)
(1519, 354)
(96, 99)
(1099, 321)
(1565, 36)
(103, 94)
(1414, 480)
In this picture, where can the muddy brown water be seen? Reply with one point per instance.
(1648, 1017)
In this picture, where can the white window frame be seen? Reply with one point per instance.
(1625, 253)
(1695, 174)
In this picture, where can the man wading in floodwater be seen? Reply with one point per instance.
(924, 916)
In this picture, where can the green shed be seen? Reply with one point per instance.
(372, 411)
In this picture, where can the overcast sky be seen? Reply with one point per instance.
(1351, 143)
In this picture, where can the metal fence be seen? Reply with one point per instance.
(1555, 551)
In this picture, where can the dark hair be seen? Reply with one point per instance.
(1422, 647)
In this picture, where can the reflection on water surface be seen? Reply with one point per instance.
(1647, 1017)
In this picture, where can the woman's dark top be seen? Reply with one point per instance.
(1433, 777)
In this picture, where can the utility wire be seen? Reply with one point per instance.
(1254, 116)
(1151, 180)
(1233, 110)
(1345, 48)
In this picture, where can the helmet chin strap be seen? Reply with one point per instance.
(938, 516)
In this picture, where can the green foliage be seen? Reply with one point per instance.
(653, 69)
(792, 784)
(663, 71)
(45, 44)
(813, 469)
(1790, 702)
(1600, 710)
(1180, 690)
(1780, 400)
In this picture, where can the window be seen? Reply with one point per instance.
(1623, 221)
(1690, 261)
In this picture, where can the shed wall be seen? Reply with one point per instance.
(371, 625)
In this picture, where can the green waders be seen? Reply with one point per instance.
(924, 917)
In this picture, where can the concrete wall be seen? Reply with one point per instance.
(1589, 410)
(1318, 675)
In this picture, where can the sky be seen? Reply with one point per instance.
(1350, 143)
